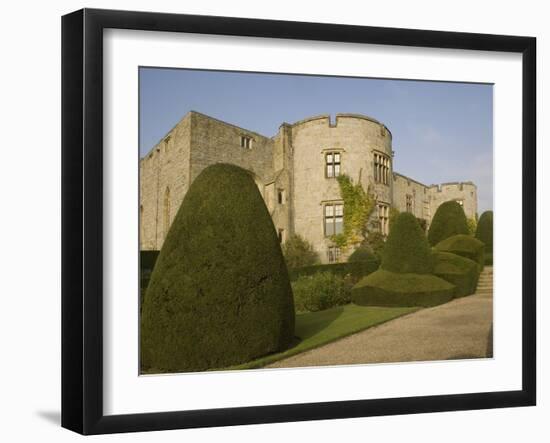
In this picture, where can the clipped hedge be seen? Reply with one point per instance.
(219, 293)
(484, 231)
(488, 259)
(449, 220)
(460, 271)
(407, 250)
(321, 291)
(355, 270)
(464, 245)
(385, 288)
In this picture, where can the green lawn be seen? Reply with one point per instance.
(315, 329)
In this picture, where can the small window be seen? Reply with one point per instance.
(246, 142)
(334, 219)
(281, 233)
(384, 218)
(280, 196)
(332, 164)
(333, 254)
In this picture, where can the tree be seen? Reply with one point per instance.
(407, 250)
(449, 220)
(219, 294)
(362, 253)
(484, 230)
(375, 243)
(298, 252)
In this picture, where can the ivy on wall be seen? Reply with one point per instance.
(358, 206)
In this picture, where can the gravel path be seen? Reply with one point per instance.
(459, 329)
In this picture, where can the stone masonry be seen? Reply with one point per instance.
(295, 171)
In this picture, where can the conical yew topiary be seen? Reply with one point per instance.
(407, 250)
(449, 220)
(484, 231)
(219, 294)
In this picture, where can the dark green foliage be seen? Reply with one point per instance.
(488, 259)
(464, 245)
(299, 252)
(147, 260)
(460, 271)
(354, 270)
(321, 291)
(484, 231)
(362, 253)
(376, 243)
(219, 294)
(394, 212)
(407, 249)
(384, 288)
(449, 220)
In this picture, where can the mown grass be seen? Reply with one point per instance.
(314, 329)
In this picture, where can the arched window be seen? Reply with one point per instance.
(166, 211)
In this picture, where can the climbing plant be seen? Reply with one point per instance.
(358, 206)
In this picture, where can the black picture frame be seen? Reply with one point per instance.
(82, 215)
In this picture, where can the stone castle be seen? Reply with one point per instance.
(295, 171)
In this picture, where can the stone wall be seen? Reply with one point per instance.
(290, 171)
(355, 138)
(164, 180)
(465, 192)
(406, 189)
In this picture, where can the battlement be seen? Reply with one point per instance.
(338, 116)
(452, 185)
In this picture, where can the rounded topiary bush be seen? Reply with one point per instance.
(449, 220)
(362, 253)
(219, 294)
(384, 288)
(484, 233)
(464, 245)
(407, 250)
(460, 271)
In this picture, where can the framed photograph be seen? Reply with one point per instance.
(269, 221)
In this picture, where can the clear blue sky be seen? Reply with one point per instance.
(442, 132)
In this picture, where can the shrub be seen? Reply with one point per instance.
(464, 245)
(488, 259)
(484, 231)
(354, 270)
(320, 291)
(407, 250)
(376, 243)
(449, 220)
(460, 271)
(394, 212)
(362, 253)
(385, 288)
(472, 225)
(219, 294)
(299, 252)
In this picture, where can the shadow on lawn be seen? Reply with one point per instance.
(318, 323)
